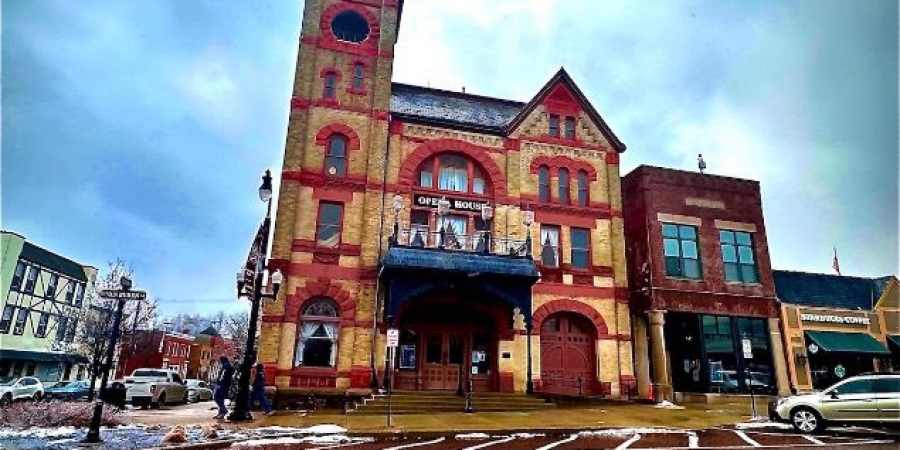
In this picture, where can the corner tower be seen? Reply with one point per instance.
(326, 232)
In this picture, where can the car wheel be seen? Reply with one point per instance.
(161, 401)
(186, 399)
(5, 400)
(36, 397)
(807, 420)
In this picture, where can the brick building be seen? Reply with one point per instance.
(467, 222)
(701, 282)
(155, 349)
(208, 346)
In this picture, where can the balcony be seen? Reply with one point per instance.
(479, 243)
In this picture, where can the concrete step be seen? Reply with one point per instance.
(426, 402)
(382, 409)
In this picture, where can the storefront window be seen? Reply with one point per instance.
(317, 334)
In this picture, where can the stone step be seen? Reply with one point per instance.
(382, 409)
(457, 400)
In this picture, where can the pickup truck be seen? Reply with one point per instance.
(155, 387)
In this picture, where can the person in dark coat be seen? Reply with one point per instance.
(223, 385)
(259, 390)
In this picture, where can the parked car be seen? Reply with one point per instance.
(155, 387)
(870, 398)
(68, 390)
(20, 388)
(199, 391)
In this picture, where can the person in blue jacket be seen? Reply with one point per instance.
(259, 390)
(223, 385)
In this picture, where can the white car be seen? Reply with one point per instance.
(155, 387)
(199, 391)
(21, 388)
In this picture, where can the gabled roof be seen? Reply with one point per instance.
(834, 291)
(209, 331)
(563, 77)
(452, 108)
(480, 113)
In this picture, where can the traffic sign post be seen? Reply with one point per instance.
(93, 435)
(747, 348)
(393, 340)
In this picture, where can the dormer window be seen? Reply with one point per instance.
(554, 125)
(358, 76)
(570, 127)
(330, 83)
(350, 26)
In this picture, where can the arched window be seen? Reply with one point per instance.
(336, 156)
(582, 188)
(452, 172)
(564, 185)
(330, 84)
(544, 184)
(317, 334)
(358, 76)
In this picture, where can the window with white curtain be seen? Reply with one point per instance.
(453, 173)
(550, 245)
(454, 231)
(317, 334)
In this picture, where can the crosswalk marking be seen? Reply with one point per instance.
(746, 438)
(560, 442)
(490, 443)
(627, 443)
(813, 440)
(416, 444)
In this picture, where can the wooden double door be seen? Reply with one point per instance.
(568, 362)
(441, 356)
(444, 359)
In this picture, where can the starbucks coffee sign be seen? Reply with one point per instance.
(457, 204)
(828, 318)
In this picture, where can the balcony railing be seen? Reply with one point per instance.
(480, 242)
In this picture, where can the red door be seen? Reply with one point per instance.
(568, 363)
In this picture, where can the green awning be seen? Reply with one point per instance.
(834, 341)
(28, 355)
(894, 339)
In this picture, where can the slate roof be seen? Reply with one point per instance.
(455, 108)
(834, 291)
(461, 262)
(50, 260)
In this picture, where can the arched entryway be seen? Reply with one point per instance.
(446, 336)
(568, 359)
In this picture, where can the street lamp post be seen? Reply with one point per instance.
(241, 411)
(487, 213)
(528, 219)
(442, 209)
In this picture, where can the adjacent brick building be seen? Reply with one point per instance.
(155, 349)
(701, 283)
(382, 223)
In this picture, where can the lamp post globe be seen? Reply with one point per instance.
(265, 189)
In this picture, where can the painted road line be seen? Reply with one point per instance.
(416, 444)
(488, 444)
(625, 444)
(746, 438)
(693, 440)
(559, 442)
(812, 439)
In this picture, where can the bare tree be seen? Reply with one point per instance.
(234, 327)
(96, 319)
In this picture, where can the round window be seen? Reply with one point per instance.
(350, 26)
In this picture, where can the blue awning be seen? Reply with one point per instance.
(412, 272)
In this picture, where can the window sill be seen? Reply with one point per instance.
(352, 91)
(690, 280)
(317, 371)
(741, 283)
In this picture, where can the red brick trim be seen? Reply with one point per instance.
(574, 290)
(557, 162)
(338, 128)
(329, 41)
(334, 272)
(315, 288)
(568, 305)
(478, 153)
(327, 70)
(298, 103)
(309, 245)
(612, 158)
(512, 144)
(396, 127)
(329, 185)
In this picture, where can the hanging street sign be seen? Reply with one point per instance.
(393, 337)
(123, 295)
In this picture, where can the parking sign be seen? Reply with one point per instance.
(748, 348)
(393, 337)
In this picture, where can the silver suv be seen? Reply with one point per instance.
(870, 398)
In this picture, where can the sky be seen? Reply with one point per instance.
(139, 130)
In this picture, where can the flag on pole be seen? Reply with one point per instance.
(250, 266)
(835, 264)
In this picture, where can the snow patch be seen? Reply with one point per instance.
(528, 435)
(278, 429)
(327, 439)
(41, 433)
(665, 404)
(261, 442)
(467, 436)
(325, 429)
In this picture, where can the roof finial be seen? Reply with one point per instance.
(701, 163)
(464, 90)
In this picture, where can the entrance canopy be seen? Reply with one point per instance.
(411, 272)
(834, 341)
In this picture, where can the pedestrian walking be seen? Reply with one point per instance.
(223, 385)
(259, 390)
